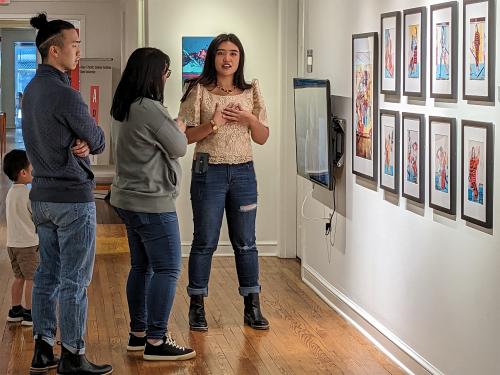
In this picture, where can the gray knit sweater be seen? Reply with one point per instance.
(54, 116)
(146, 148)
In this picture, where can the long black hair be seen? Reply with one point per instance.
(49, 33)
(209, 73)
(142, 78)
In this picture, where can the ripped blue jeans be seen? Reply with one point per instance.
(233, 188)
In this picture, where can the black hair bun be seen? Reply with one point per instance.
(40, 21)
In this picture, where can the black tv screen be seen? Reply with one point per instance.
(312, 130)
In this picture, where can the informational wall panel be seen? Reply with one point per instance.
(96, 89)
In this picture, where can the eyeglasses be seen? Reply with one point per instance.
(167, 73)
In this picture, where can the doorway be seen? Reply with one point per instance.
(24, 70)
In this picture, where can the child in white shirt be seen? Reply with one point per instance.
(22, 240)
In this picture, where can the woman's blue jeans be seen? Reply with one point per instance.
(233, 188)
(155, 257)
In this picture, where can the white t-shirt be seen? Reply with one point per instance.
(20, 228)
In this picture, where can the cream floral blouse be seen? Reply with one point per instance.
(232, 144)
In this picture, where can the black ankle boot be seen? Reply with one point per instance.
(197, 321)
(43, 358)
(78, 364)
(252, 315)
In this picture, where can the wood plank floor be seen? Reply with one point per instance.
(306, 335)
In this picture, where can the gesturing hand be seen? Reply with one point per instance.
(234, 113)
(181, 124)
(218, 117)
(81, 149)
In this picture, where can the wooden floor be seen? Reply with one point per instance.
(306, 336)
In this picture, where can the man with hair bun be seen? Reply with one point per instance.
(59, 134)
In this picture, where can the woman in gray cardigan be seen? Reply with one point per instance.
(147, 145)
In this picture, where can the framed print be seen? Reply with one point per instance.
(390, 48)
(442, 164)
(479, 50)
(194, 52)
(389, 150)
(365, 105)
(477, 172)
(413, 174)
(444, 53)
(414, 51)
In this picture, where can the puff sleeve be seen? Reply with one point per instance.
(189, 110)
(259, 107)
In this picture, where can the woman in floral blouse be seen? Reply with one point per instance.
(223, 114)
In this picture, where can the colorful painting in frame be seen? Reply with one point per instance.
(477, 172)
(194, 51)
(365, 105)
(413, 149)
(444, 53)
(414, 51)
(389, 150)
(479, 50)
(390, 44)
(442, 164)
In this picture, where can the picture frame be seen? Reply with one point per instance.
(389, 150)
(365, 105)
(415, 52)
(194, 51)
(390, 53)
(477, 172)
(444, 50)
(442, 164)
(478, 50)
(413, 150)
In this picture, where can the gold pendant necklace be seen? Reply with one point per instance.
(227, 91)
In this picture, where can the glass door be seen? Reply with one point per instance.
(24, 70)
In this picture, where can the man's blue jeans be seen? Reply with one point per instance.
(232, 187)
(67, 250)
(155, 256)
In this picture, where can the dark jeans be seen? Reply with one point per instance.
(232, 187)
(155, 257)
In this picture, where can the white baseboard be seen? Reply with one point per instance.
(266, 248)
(398, 351)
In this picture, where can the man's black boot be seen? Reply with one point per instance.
(43, 358)
(78, 364)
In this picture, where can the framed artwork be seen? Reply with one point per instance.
(389, 150)
(194, 51)
(414, 51)
(479, 50)
(444, 50)
(413, 175)
(477, 172)
(442, 164)
(390, 44)
(365, 105)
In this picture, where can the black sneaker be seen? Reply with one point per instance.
(167, 351)
(27, 319)
(15, 315)
(136, 343)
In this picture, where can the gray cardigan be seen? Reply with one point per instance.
(146, 148)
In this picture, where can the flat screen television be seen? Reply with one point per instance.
(314, 130)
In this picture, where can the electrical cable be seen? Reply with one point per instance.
(310, 218)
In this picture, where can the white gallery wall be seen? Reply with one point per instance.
(104, 33)
(257, 24)
(428, 282)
